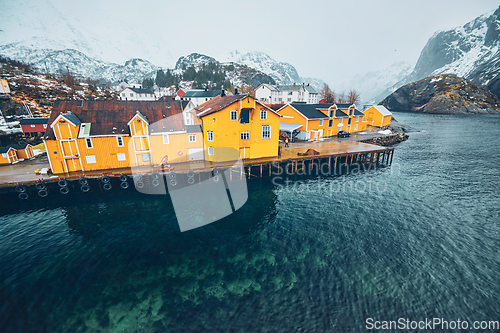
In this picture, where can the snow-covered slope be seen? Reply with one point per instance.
(281, 72)
(78, 63)
(41, 24)
(372, 85)
(471, 51)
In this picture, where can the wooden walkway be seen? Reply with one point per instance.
(331, 153)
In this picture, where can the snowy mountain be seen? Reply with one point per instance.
(471, 51)
(372, 85)
(78, 63)
(57, 25)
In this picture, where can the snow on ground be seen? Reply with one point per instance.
(385, 132)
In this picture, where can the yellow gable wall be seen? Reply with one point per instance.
(375, 118)
(288, 111)
(65, 130)
(226, 132)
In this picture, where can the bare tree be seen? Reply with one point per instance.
(352, 97)
(327, 94)
(342, 99)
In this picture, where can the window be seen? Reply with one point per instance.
(349, 121)
(131, 94)
(189, 121)
(121, 157)
(192, 137)
(352, 112)
(245, 116)
(90, 159)
(280, 99)
(321, 122)
(210, 135)
(330, 123)
(211, 150)
(88, 141)
(119, 141)
(44, 125)
(266, 131)
(123, 94)
(290, 93)
(4, 155)
(32, 125)
(146, 157)
(357, 119)
(234, 114)
(331, 113)
(166, 139)
(340, 121)
(139, 95)
(263, 114)
(355, 127)
(288, 99)
(245, 135)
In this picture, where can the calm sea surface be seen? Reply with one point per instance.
(418, 240)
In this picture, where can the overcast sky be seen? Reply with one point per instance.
(323, 39)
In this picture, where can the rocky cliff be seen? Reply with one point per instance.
(445, 93)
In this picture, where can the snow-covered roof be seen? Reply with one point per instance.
(383, 111)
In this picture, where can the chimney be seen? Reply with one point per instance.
(236, 91)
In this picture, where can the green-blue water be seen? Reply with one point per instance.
(418, 240)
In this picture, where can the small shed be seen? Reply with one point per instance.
(8, 155)
(24, 151)
(378, 116)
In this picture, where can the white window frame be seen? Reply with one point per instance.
(356, 127)
(121, 156)
(90, 159)
(357, 118)
(266, 129)
(340, 121)
(263, 114)
(166, 139)
(210, 135)
(231, 113)
(33, 126)
(245, 135)
(44, 125)
(87, 140)
(320, 122)
(211, 151)
(192, 137)
(118, 139)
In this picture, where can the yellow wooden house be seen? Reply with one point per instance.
(24, 151)
(315, 121)
(355, 122)
(102, 135)
(8, 155)
(378, 116)
(241, 123)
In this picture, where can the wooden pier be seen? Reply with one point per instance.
(328, 158)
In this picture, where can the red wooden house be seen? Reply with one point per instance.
(34, 125)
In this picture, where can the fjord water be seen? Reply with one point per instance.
(416, 240)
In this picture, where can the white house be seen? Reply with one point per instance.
(198, 97)
(276, 94)
(136, 94)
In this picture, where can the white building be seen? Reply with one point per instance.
(276, 94)
(136, 94)
(198, 97)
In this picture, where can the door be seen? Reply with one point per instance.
(73, 164)
(245, 152)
